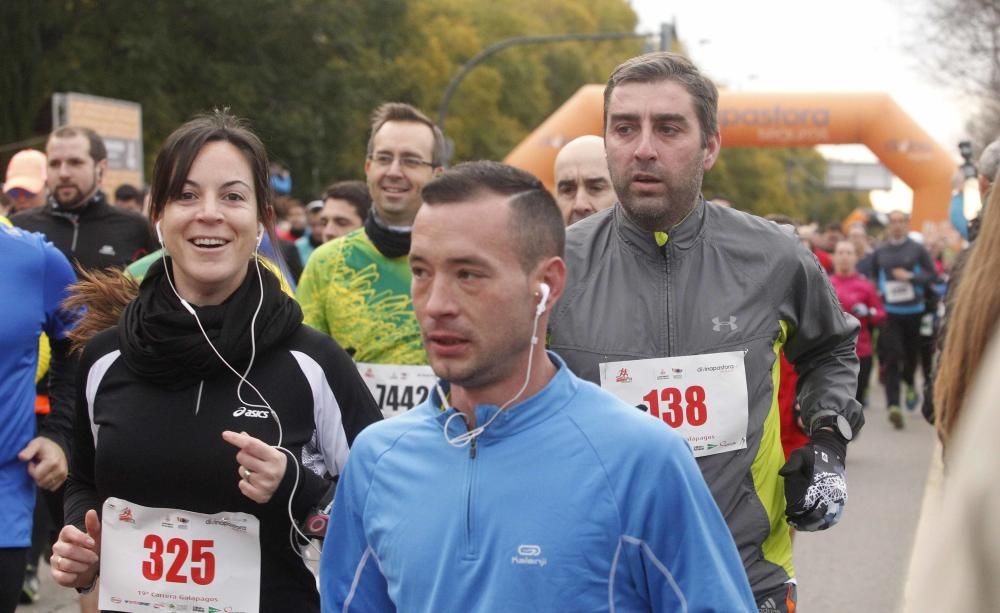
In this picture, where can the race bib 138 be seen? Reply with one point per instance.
(703, 397)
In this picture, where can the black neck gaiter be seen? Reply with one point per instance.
(390, 243)
(161, 341)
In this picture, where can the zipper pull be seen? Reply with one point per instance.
(472, 448)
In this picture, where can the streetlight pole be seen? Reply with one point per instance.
(667, 34)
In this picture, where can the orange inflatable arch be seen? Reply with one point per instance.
(752, 119)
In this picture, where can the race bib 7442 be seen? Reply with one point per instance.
(396, 388)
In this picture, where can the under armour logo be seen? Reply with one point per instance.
(731, 323)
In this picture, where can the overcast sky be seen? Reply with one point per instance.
(812, 46)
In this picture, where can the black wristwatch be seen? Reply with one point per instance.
(837, 423)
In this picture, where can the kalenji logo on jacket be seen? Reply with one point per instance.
(245, 412)
(529, 555)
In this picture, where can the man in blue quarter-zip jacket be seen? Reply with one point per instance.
(516, 486)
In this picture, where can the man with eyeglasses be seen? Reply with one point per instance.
(357, 288)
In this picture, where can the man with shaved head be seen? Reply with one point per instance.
(583, 184)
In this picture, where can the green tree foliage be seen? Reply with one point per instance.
(306, 73)
(786, 181)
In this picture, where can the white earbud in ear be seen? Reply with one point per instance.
(544, 290)
(260, 234)
(159, 234)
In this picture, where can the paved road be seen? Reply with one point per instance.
(859, 565)
(54, 598)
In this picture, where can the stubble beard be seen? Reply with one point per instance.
(661, 213)
(77, 199)
(489, 367)
(72, 202)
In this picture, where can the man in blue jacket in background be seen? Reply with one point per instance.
(32, 288)
(516, 486)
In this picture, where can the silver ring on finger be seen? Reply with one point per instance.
(247, 473)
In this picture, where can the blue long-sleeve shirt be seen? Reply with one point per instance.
(956, 214)
(32, 287)
(570, 501)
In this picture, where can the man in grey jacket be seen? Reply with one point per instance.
(682, 308)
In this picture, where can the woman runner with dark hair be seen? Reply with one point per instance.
(210, 421)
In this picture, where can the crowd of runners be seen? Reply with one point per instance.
(459, 391)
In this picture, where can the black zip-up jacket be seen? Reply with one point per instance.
(163, 447)
(95, 236)
(153, 399)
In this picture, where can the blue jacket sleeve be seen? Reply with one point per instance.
(58, 276)
(349, 575)
(956, 213)
(677, 542)
(927, 273)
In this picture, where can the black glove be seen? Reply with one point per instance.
(816, 483)
(928, 406)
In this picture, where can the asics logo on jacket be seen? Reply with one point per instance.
(245, 412)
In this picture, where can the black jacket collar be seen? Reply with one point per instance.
(95, 206)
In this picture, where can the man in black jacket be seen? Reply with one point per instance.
(77, 217)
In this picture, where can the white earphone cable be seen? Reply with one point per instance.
(243, 379)
(466, 438)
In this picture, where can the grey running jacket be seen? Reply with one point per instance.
(724, 281)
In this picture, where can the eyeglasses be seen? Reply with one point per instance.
(410, 162)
